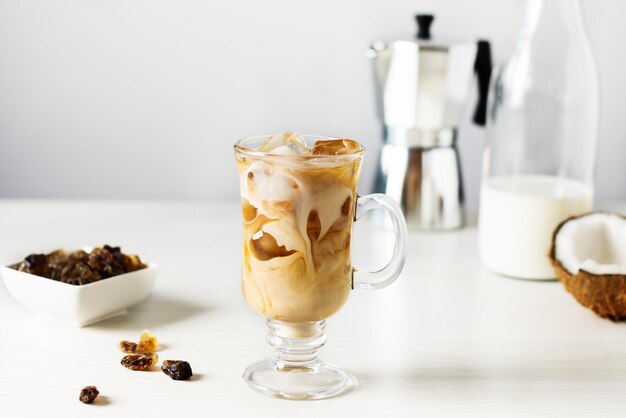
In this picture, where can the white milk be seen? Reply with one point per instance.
(517, 217)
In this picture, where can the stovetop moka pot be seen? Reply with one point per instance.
(422, 86)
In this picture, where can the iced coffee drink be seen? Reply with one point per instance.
(298, 197)
(298, 202)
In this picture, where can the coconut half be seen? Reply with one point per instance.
(588, 253)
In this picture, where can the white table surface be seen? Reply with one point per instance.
(447, 339)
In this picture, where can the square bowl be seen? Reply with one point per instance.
(79, 305)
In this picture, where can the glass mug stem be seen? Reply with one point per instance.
(388, 274)
(296, 352)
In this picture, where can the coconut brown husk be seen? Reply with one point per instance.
(605, 294)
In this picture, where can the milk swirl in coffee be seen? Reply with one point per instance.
(298, 205)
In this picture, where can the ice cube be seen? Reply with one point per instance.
(299, 148)
(290, 149)
(293, 141)
(336, 147)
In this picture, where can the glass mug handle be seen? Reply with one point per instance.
(388, 274)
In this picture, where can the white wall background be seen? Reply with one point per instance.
(127, 98)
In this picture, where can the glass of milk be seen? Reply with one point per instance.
(542, 132)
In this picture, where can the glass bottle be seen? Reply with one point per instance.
(542, 132)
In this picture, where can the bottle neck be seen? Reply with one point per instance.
(553, 28)
(554, 14)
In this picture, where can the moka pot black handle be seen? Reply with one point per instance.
(482, 68)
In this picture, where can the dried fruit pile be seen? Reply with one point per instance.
(80, 267)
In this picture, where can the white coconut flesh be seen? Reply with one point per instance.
(595, 243)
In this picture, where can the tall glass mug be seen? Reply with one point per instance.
(299, 202)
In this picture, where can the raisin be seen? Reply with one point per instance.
(127, 346)
(128, 262)
(177, 369)
(88, 394)
(35, 264)
(143, 361)
(79, 273)
(112, 250)
(73, 281)
(100, 261)
(56, 257)
(148, 343)
(78, 257)
(90, 278)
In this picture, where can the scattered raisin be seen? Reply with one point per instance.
(127, 346)
(177, 369)
(88, 394)
(143, 361)
(148, 343)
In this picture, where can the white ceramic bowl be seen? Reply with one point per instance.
(79, 305)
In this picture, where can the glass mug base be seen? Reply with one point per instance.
(295, 372)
